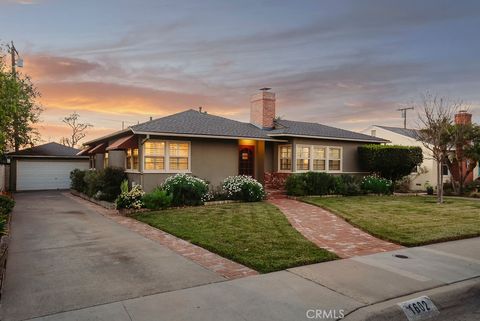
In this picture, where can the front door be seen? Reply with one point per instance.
(246, 163)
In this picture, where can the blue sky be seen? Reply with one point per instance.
(345, 63)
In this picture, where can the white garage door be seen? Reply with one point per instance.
(46, 174)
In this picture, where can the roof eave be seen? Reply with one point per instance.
(126, 130)
(334, 138)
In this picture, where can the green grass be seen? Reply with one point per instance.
(256, 235)
(407, 220)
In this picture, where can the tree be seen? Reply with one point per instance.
(436, 119)
(463, 159)
(79, 130)
(19, 109)
(390, 161)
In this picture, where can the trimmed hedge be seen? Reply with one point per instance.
(390, 161)
(315, 183)
(101, 184)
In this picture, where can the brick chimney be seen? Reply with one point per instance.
(262, 109)
(463, 118)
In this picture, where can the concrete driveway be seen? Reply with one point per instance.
(64, 257)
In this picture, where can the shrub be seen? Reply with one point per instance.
(390, 161)
(158, 199)
(6, 205)
(110, 180)
(77, 178)
(92, 182)
(185, 189)
(348, 185)
(243, 188)
(295, 185)
(131, 199)
(377, 185)
(310, 183)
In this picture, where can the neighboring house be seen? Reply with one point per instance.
(44, 167)
(213, 147)
(427, 171)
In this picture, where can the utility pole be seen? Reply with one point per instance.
(404, 115)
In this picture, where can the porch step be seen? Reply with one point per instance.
(275, 193)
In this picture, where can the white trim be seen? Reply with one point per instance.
(279, 170)
(209, 136)
(166, 157)
(333, 138)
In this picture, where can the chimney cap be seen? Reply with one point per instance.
(265, 89)
(463, 111)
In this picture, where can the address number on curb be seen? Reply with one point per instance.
(420, 308)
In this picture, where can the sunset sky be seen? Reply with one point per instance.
(344, 63)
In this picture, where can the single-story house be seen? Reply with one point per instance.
(44, 167)
(213, 147)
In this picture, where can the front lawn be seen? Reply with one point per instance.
(256, 235)
(407, 220)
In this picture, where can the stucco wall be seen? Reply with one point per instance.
(116, 158)
(99, 161)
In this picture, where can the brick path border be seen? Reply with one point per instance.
(329, 231)
(207, 259)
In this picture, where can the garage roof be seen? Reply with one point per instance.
(49, 149)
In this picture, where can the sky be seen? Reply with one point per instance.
(348, 64)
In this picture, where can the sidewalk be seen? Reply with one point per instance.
(361, 288)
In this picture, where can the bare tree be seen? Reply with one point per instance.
(79, 130)
(435, 122)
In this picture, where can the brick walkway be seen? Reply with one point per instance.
(329, 231)
(207, 259)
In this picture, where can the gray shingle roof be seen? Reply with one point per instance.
(49, 149)
(297, 128)
(192, 122)
(412, 133)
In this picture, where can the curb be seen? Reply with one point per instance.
(446, 298)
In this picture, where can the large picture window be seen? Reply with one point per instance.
(285, 157)
(318, 158)
(166, 156)
(154, 155)
(303, 158)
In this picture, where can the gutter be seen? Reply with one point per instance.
(331, 138)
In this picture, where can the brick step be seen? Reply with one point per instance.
(275, 194)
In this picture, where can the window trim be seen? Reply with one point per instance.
(327, 159)
(166, 156)
(132, 170)
(279, 170)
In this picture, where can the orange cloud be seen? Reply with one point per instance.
(47, 67)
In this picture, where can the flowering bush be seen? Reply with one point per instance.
(243, 188)
(377, 185)
(185, 189)
(131, 199)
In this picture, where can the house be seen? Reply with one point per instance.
(427, 171)
(213, 147)
(44, 167)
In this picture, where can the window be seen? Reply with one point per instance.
(285, 157)
(303, 157)
(319, 158)
(445, 171)
(154, 155)
(334, 158)
(167, 156)
(105, 160)
(178, 156)
(132, 159)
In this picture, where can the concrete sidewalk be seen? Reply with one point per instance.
(360, 288)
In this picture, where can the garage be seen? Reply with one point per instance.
(44, 167)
